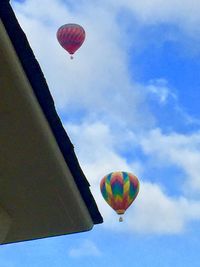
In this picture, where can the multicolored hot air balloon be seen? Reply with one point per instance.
(71, 37)
(119, 190)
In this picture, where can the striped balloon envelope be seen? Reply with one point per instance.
(71, 36)
(119, 190)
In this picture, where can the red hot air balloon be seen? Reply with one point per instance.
(71, 37)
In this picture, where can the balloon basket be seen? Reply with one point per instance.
(71, 57)
(121, 219)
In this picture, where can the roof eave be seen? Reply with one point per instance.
(36, 78)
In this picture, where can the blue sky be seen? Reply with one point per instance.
(129, 101)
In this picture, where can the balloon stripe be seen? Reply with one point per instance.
(108, 188)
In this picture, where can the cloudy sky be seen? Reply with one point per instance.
(129, 101)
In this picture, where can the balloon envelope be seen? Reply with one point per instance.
(71, 37)
(119, 189)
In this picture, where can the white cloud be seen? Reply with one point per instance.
(160, 89)
(183, 13)
(96, 144)
(86, 248)
(98, 78)
(154, 211)
(181, 150)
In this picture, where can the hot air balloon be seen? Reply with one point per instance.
(119, 190)
(71, 37)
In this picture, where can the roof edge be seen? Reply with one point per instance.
(42, 93)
